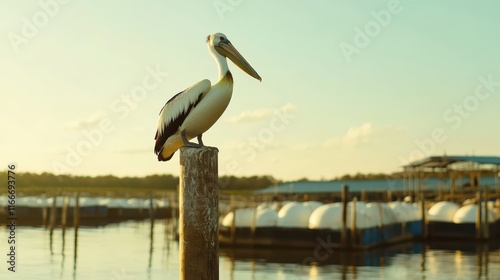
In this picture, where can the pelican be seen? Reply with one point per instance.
(194, 110)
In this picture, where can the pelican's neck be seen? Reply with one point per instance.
(221, 63)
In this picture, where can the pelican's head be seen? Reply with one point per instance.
(219, 44)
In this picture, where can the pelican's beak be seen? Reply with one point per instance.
(226, 49)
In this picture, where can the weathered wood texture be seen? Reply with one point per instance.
(199, 214)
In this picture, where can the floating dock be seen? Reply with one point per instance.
(300, 238)
(36, 211)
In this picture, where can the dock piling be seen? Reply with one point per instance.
(381, 223)
(233, 221)
(64, 212)
(389, 196)
(199, 214)
(53, 213)
(486, 224)
(354, 231)
(363, 196)
(423, 211)
(151, 209)
(479, 226)
(44, 216)
(343, 236)
(76, 212)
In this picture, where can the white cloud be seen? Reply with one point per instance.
(86, 123)
(260, 114)
(355, 136)
(358, 134)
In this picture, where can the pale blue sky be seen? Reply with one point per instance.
(318, 113)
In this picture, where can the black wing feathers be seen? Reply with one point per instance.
(171, 128)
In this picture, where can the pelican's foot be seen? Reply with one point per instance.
(191, 144)
(200, 142)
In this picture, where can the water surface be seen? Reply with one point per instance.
(141, 250)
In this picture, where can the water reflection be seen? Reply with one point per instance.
(414, 260)
(151, 238)
(472, 259)
(75, 250)
(148, 250)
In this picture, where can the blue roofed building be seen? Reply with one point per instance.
(428, 174)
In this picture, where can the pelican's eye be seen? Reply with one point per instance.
(222, 38)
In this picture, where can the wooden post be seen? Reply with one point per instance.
(64, 212)
(76, 212)
(343, 234)
(52, 219)
(404, 183)
(232, 208)
(423, 212)
(254, 223)
(354, 231)
(45, 215)
(76, 224)
(381, 222)
(440, 191)
(151, 209)
(363, 196)
(199, 214)
(486, 223)
(479, 230)
(453, 183)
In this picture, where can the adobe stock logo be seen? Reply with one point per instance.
(224, 6)
(453, 117)
(280, 119)
(323, 251)
(32, 26)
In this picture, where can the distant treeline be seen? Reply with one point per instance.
(369, 176)
(50, 182)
